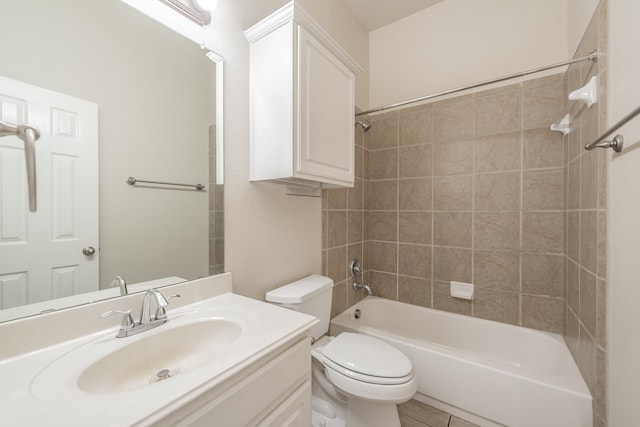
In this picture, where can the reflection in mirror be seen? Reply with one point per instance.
(115, 95)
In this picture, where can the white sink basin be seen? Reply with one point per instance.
(181, 349)
(160, 356)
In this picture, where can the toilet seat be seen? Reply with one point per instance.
(366, 359)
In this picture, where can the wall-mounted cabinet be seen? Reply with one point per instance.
(302, 92)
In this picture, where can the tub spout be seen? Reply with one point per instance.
(357, 286)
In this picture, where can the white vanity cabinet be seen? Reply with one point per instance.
(302, 96)
(274, 391)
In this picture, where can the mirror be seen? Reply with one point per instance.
(115, 94)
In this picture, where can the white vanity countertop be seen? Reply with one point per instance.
(40, 387)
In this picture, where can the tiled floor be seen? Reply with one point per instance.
(418, 414)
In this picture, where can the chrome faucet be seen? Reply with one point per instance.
(357, 286)
(147, 321)
(121, 283)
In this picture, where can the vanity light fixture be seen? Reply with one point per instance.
(199, 11)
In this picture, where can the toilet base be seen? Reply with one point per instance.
(362, 413)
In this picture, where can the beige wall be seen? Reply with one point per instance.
(107, 53)
(458, 42)
(270, 238)
(624, 221)
(579, 13)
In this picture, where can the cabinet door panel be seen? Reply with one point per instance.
(293, 412)
(326, 108)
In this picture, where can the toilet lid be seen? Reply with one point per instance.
(368, 356)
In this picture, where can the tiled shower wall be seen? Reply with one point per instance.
(585, 254)
(467, 189)
(478, 189)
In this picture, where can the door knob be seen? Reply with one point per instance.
(88, 251)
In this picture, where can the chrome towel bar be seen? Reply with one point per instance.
(133, 181)
(617, 142)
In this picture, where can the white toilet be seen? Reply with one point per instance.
(357, 379)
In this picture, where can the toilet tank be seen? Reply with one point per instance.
(310, 295)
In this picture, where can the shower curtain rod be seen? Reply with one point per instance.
(592, 57)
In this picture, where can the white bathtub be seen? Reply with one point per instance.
(487, 372)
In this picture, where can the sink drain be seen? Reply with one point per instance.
(161, 375)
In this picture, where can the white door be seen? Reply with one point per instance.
(41, 253)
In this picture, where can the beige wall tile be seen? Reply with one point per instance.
(587, 359)
(453, 120)
(601, 313)
(588, 297)
(337, 225)
(339, 299)
(543, 189)
(496, 230)
(337, 198)
(383, 132)
(414, 227)
(354, 195)
(603, 166)
(589, 180)
(454, 158)
(383, 285)
(415, 194)
(589, 240)
(497, 191)
(542, 274)
(382, 256)
(416, 125)
(499, 113)
(543, 148)
(359, 161)
(498, 270)
(540, 312)
(499, 152)
(415, 161)
(542, 232)
(453, 193)
(325, 229)
(452, 229)
(573, 185)
(573, 286)
(354, 226)
(383, 195)
(600, 395)
(383, 226)
(383, 164)
(498, 305)
(542, 105)
(414, 260)
(414, 291)
(337, 264)
(442, 300)
(451, 264)
(573, 235)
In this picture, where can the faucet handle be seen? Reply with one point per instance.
(127, 319)
(161, 311)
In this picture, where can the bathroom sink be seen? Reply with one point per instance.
(191, 344)
(160, 356)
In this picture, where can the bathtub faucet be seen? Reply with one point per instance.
(357, 286)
